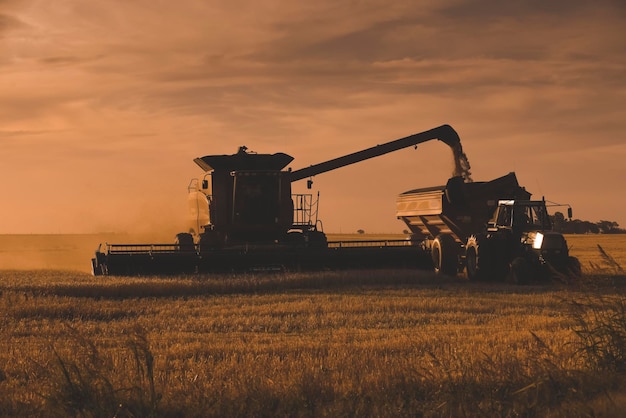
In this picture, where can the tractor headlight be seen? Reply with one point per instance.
(538, 241)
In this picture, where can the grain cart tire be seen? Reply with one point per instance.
(445, 255)
(184, 242)
(478, 259)
(520, 271)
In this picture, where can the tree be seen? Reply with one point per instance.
(558, 221)
(610, 227)
(576, 226)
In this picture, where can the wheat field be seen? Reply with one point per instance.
(356, 343)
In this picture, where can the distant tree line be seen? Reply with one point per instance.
(576, 226)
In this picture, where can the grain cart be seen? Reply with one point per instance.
(246, 218)
(492, 229)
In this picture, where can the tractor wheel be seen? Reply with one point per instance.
(520, 271)
(479, 261)
(574, 269)
(445, 254)
(184, 242)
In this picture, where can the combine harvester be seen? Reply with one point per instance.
(247, 219)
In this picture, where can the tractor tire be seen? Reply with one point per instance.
(184, 242)
(445, 255)
(520, 271)
(481, 263)
(472, 267)
(574, 269)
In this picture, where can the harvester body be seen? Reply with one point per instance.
(248, 219)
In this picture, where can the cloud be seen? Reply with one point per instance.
(8, 22)
(137, 89)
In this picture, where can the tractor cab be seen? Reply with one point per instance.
(526, 222)
(521, 235)
(520, 216)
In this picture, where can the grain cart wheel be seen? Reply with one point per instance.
(445, 252)
(520, 271)
(477, 259)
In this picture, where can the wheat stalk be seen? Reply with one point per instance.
(608, 260)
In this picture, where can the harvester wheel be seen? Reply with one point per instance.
(294, 238)
(445, 253)
(317, 239)
(184, 242)
(96, 269)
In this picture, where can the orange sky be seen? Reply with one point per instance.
(104, 104)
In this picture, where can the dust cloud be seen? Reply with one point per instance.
(145, 224)
(63, 251)
(50, 252)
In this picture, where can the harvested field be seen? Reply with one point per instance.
(359, 343)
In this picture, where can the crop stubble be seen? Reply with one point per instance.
(387, 343)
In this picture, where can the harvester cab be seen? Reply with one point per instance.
(248, 200)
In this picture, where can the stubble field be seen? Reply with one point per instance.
(359, 343)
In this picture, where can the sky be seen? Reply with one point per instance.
(105, 104)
